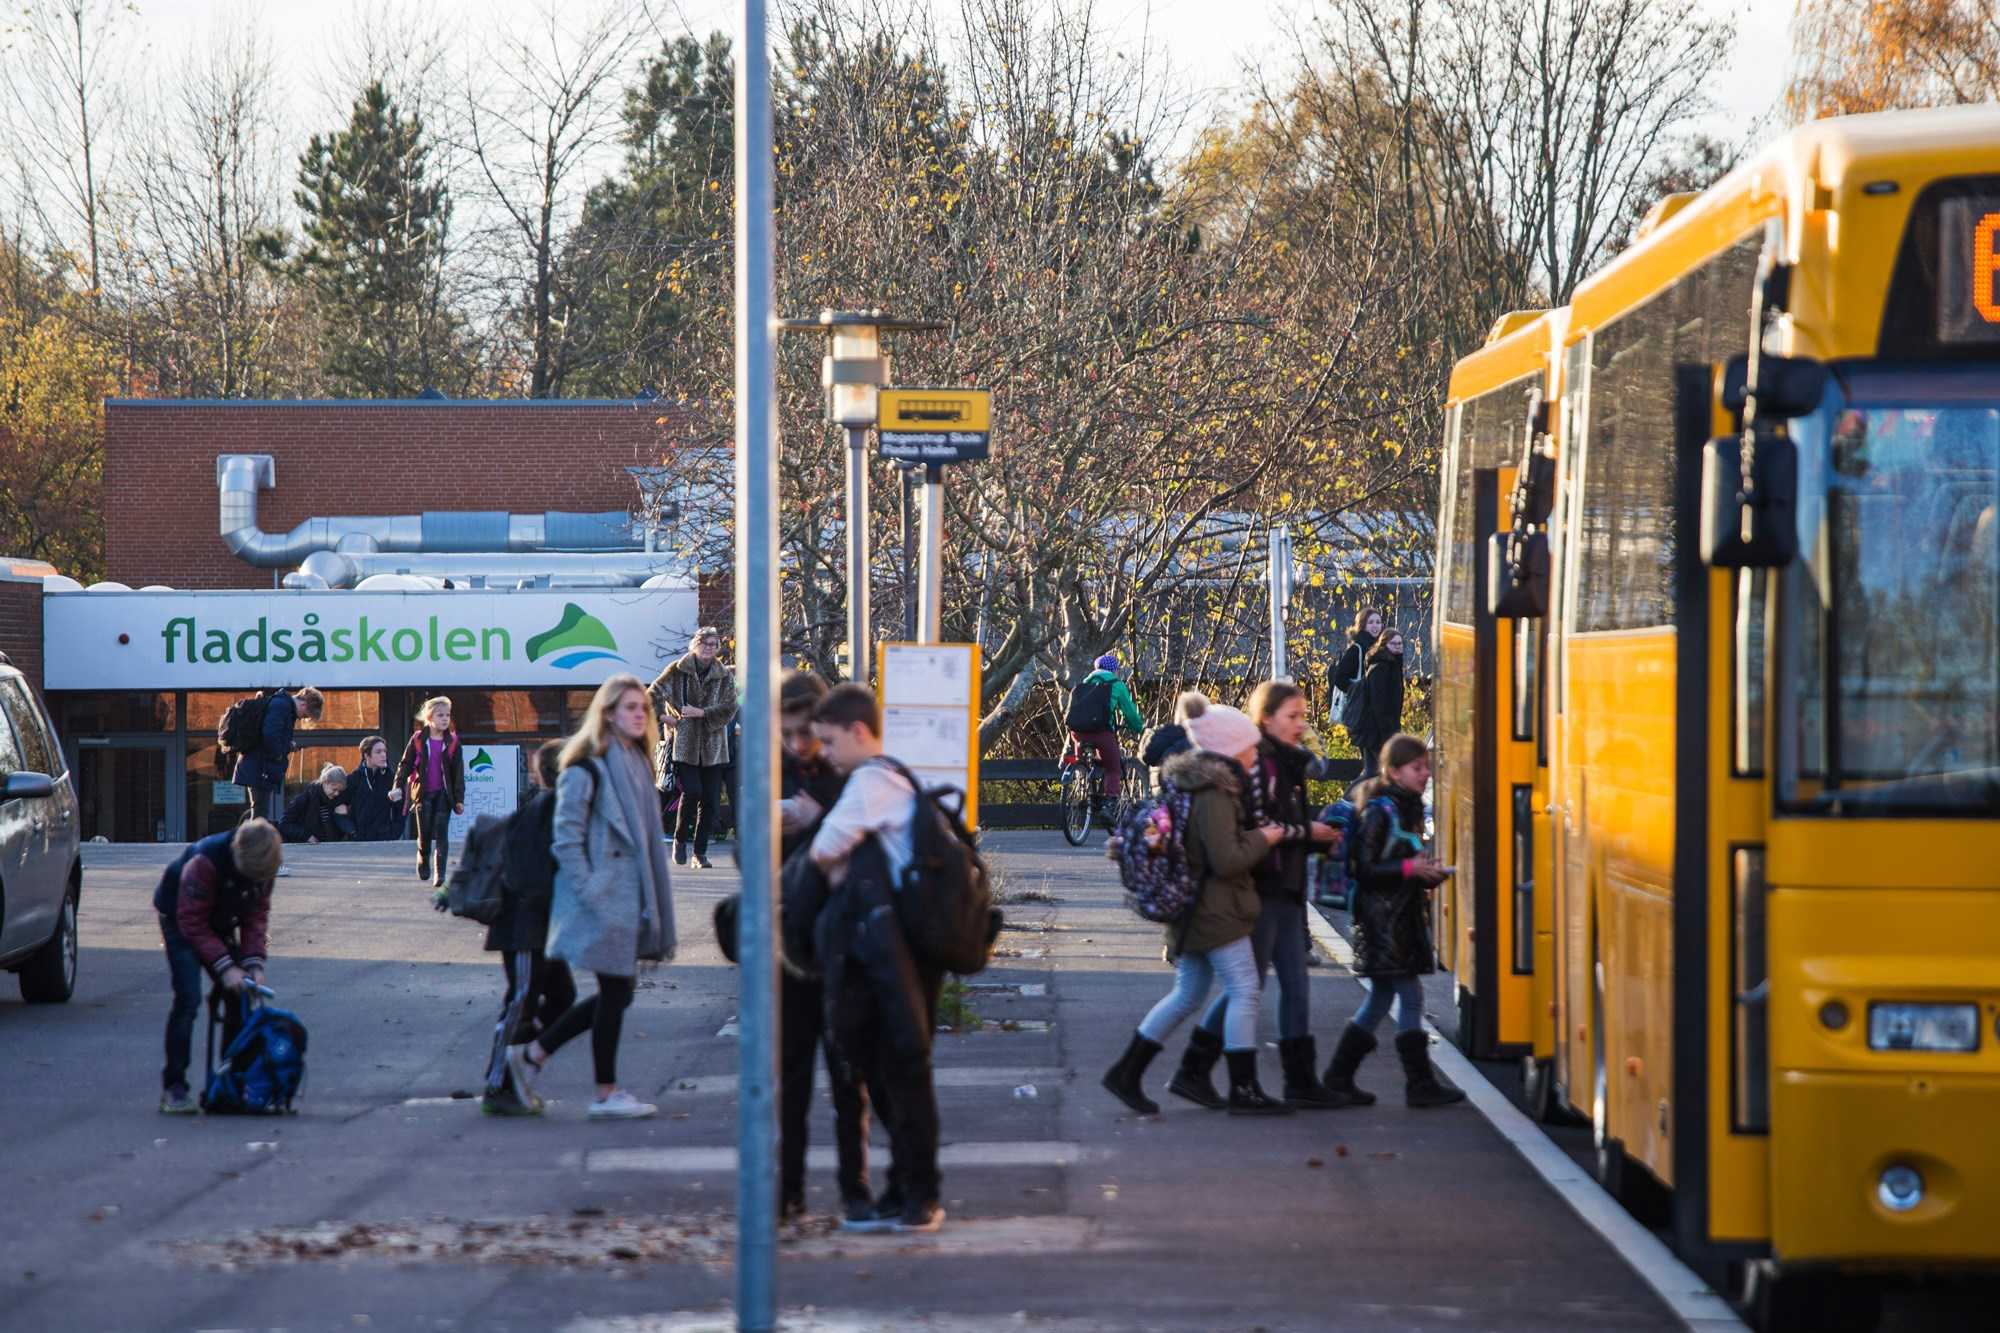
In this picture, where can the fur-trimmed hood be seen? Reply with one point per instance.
(1198, 770)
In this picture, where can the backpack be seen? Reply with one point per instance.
(264, 1067)
(1150, 846)
(1333, 872)
(1090, 706)
(478, 881)
(946, 899)
(240, 730)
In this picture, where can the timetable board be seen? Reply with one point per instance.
(930, 714)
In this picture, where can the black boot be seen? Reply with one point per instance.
(1302, 1089)
(1123, 1079)
(1355, 1044)
(1246, 1097)
(1191, 1079)
(1422, 1086)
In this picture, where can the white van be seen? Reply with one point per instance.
(41, 876)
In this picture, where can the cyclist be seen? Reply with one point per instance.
(1099, 709)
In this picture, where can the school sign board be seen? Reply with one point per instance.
(355, 640)
(492, 780)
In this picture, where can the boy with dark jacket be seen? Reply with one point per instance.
(881, 1001)
(214, 903)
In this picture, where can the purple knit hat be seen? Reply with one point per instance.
(1108, 662)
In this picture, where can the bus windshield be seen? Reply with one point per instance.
(1889, 678)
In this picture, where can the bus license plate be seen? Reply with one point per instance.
(1923, 1027)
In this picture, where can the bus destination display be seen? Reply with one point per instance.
(1968, 242)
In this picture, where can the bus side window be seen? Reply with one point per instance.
(1747, 653)
(1527, 677)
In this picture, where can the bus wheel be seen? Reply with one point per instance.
(1468, 1022)
(1790, 1300)
(1538, 1093)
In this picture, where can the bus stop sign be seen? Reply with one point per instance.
(935, 425)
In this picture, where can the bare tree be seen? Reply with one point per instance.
(1852, 56)
(541, 104)
(64, 99)
(206, 186)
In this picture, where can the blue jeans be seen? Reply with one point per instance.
(1236, 965)
(1278, 941)
(1408, 993)
(184, 965)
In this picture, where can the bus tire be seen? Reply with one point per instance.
(1468, 1022)
(1539, 1096)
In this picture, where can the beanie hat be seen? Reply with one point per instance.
(1108, 662)
(1222, 729)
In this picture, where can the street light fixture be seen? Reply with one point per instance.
(853, 372)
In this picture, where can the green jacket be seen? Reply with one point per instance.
(1124, 712)
(1222, 854)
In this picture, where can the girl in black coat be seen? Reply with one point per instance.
(1361, 637)
(1381, 687)
(539, 989)
(1393, 876)
(373, 796)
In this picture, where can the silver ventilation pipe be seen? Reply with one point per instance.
(629, 569)
(238, 478)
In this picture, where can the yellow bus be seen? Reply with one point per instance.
(1719, 712)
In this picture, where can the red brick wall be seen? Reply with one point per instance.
(21, 626)
(160, 520)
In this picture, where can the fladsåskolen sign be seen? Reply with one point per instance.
(151, 641)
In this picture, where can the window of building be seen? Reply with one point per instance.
(497, 712)
(103, 713)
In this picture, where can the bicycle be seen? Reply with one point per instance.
(1082, 780)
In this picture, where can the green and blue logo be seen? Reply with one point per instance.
(578, 637)
(481, 762)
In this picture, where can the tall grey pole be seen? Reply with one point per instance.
(857, 554)
(930, 587)
(757, 648)
(1280, 580)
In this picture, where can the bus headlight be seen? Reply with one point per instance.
(1900, 1189)
(1923, 1027)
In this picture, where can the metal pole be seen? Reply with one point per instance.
(930, 614)
(909, 553)
(1280, 579)
(858, 621)
(757, 648)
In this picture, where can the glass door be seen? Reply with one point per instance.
(121, 788)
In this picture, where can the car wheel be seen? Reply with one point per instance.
(49, 977)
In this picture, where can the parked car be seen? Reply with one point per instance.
(41, 875)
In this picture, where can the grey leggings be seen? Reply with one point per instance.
(1278, 941)
(1237, 967)
(1408, 993)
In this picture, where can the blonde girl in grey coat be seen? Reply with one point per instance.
(613, 905)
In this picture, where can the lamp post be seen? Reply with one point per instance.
(853, 372)
(1280, 580)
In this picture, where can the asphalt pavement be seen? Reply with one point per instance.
(389, 1202)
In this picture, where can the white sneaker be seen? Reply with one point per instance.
(524, 1070)
(283, 871)
(621, 1105)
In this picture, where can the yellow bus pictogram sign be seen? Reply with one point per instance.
(924, 410)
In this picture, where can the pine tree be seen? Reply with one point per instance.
(374, 247)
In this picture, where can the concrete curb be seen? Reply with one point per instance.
(1693, 1301)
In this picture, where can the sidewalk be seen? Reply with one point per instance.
(390, 1203)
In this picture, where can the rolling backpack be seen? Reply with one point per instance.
(240, 730)
(1150, 846)
(263, 1068)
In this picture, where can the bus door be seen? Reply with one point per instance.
(1487, 908)
(1720, 1112)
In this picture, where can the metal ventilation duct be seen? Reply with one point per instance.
(240, 476)
(609, 569)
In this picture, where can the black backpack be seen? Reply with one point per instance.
(1090, 706)
(478, 881)
(946, 898)
(240, 730)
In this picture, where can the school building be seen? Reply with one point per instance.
(511, 555)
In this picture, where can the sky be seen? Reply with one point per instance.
(1206, 43)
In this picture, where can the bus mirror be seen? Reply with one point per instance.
(1787, 386)
(1535, 490)
(1754, 526)
(1517, 575)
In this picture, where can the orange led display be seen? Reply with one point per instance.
(1983, 268)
